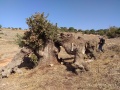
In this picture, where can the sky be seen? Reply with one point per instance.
(80, 14)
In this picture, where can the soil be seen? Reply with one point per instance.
(104, 73)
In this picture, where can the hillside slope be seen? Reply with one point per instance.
(8, 46)
(104, 73)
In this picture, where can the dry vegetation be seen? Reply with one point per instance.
(104, 73)
(8, 48)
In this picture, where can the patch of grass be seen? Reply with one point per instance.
(34, 59)
(1, 33)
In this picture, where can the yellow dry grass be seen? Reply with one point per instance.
(104, 73)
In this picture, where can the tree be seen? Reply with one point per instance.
(80, 30)
(118, 31)
(0, 26)
(71, 29)
(38, 45)
(63, 29)
(86, 32)
(20, 28)
(41, 37)
(92, 31)
(101, 32)
(112, 32)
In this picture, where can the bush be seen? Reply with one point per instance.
(86, 32)
(19, 40)
(20, 28)
(0, 26)
(113, 32)
(33, 59)
(40, 32)
(117, 32)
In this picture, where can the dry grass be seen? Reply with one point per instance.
(8, 48)
(104, 73)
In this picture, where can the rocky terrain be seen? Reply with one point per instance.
(104, 72)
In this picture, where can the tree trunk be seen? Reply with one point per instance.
(13, 66)
(49, 55)
(48, 58)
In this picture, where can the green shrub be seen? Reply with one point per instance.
(113, 32)
(86, 32)
(34, 59)
(0, 26)
(19, 40)
(117, 32)
(39, 33)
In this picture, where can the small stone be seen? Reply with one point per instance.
(51, 65)
(62, 63)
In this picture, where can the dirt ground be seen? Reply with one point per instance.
(104, 73)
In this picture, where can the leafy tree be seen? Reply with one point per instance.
(20, 28)
(112, 32)
(0, 26)
(41, 35)
(92, 31)
(86, 32)
(40, 31)
(63, 29)
(8, 27)
(71, 29)
(80, 30)
(19, 40)
(117, 32)
(101, 32)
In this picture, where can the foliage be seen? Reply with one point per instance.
(79, 30)
(19, 40)
(101, 32)
(9, 28)
(92, 31)
(113, 32)
(63, 29)
(118, 32)
(0, 26)
(86, 32)
(20, 28)
(71, 29)
(34, 59)
(39, 33)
